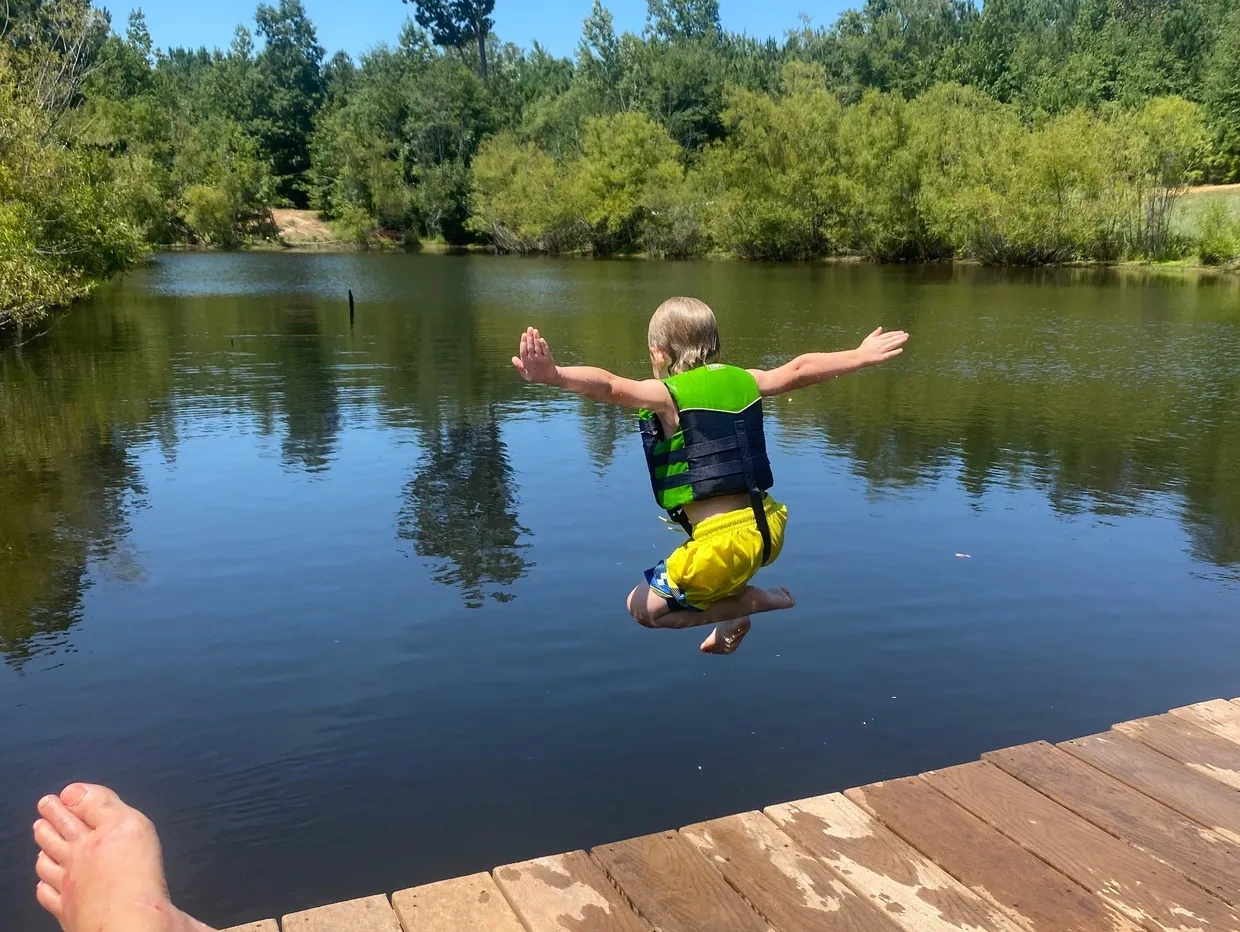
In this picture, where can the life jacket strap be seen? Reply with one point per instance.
(678, 515)
(704, 448)
(714, 471)
(757, 500)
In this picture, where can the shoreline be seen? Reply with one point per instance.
(1179, 266)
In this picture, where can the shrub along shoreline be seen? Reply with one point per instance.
(950, 173)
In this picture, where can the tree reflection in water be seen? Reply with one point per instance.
(461, 509)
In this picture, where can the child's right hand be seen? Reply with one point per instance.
(534, 360)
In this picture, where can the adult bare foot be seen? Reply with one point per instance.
(766, 600)
(726, 638)
(100, 867)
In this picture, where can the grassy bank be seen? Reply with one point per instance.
(1188, 209)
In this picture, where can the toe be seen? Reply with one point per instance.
(91, 803)
(49, 872)
(50, 840)
(65, 823)
(49, 899)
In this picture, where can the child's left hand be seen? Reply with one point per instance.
(534, 361)
(881, 345)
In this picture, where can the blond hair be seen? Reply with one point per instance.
(685, 330)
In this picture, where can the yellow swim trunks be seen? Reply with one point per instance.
(718, 562)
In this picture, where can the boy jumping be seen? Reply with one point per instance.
(701, 427)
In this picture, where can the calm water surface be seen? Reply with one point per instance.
(341, 606)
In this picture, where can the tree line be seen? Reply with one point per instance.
(1021, 131)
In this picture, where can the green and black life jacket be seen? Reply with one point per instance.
(719, 448)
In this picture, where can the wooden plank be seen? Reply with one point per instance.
(1129, 880)
(1194, 747)
(990, 864)
(1217, 715)
(787, 885)
(265, 925)
(1209, 860)
(1204, 800)
(674, 888)
(369, 914)
(463, 904)
(567, 891)
(917, 894)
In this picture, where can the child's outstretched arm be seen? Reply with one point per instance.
(535, 363)
(812, 368)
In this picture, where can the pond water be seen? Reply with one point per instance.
(340, 605)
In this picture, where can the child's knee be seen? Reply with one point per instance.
(639, 607)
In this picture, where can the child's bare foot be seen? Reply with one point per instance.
(765, 600)
(100, 867)
(727, 637)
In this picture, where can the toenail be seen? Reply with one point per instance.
(73, 794)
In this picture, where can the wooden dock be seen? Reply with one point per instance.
(1138, 828)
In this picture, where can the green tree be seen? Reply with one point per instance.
(882, 172)
(233, 83)
(67, 211)
(290, 89)
(681, 84)
(447, 115)
(903, 46)
(354, 171)
(778, 189)
(65, 29)
(227, 187)
(996, 190)
(672, 223)
(209, 215)
(681, 20)
(517, 199)
(124, 67)
(1166, 146)
(457, 23)
(604, 62)
(520, 79)
(399, 144)
(624, 158)
(1221, 95)
(339, 79)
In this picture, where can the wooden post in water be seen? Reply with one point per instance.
(350, 308)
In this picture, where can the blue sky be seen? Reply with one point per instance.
(357, 25)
